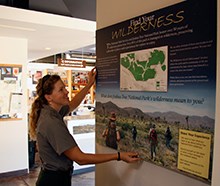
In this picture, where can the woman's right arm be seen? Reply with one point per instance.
(77, 99)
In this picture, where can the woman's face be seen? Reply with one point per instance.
(59, 96)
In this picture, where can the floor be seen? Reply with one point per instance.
(83, 179)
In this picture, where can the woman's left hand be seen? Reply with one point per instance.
(130, 157)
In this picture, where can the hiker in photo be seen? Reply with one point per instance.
(168, 137)
(111, 133)
(134, 133)
(153, 141)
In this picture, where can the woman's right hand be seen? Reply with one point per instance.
(92, 75)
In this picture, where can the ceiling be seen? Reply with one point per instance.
(83, 9)
(49, 33)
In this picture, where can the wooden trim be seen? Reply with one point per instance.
(9, 119)
(11, 65)
(69, 81)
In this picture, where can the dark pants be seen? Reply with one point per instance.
(153, 150)
(167, 142)
(54, 178)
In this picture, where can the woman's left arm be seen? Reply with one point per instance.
(75, 154)
(77, 99)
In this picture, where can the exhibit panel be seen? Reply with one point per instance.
(156, 72)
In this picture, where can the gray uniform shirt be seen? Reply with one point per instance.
(53, 139)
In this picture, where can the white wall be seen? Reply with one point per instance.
(14, 134)
(146, 174)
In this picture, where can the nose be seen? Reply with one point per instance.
(66, 91)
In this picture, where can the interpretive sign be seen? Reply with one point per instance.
(157, 77)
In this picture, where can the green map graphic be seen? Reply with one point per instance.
(144, 70)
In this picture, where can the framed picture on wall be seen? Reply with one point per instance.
(11, 91)
(6, 70)
(15, 105)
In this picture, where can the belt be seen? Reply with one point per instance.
(66, 172)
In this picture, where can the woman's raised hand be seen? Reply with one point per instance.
(92, 75)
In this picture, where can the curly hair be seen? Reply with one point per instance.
(44, 86)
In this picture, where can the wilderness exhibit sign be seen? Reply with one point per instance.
(158, 71)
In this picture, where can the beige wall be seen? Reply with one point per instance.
(111, 12)
(145, 174)
(216, 162)
(13, 134)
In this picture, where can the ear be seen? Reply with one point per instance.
(48, 97)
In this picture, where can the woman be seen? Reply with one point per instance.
(56, 146)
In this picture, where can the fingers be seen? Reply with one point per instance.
(130, 157)
(92, 75)
(93, 72)
(94, 69)
(135, 157)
